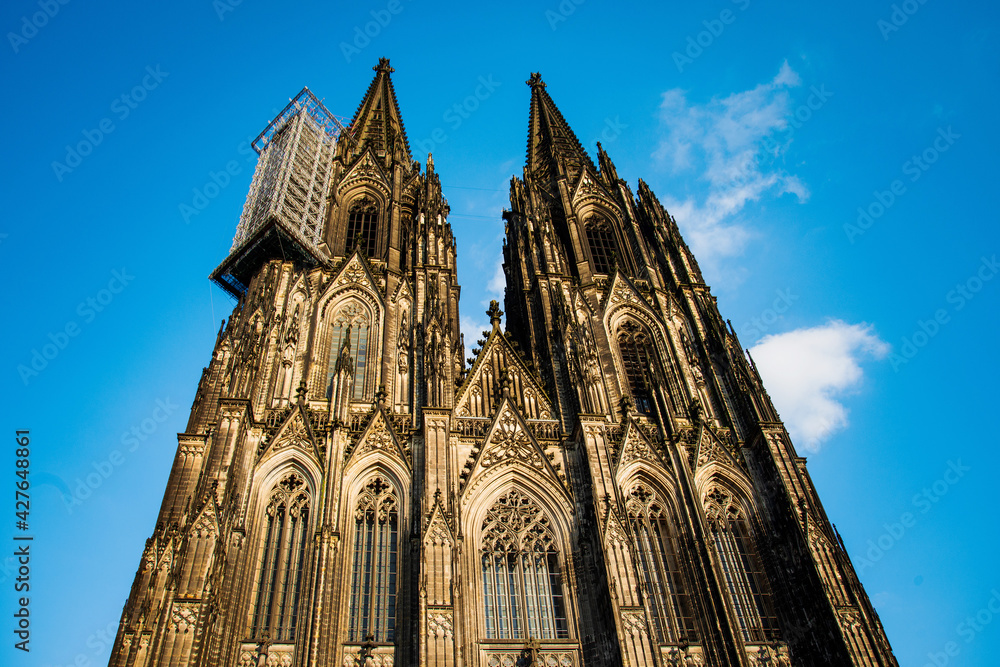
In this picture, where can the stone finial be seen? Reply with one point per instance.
(300, 393)
(536, 80)
(495, 313)
(383, 66)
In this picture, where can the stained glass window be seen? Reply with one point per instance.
(659, 558)
(283, 553)
(350, 327)
(742, 568)
(376, 556)
(522, 584)
(601, 239)
(362, 226)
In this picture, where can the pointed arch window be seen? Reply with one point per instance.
(362, 226)
(404, 243)
(283, 555)
(659, 558)
(638, 363)
(350, 336)
(601, 240)
(522, 582)
(376, 559)
(635, 346)
(741, 567)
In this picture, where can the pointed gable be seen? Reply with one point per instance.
(356, 274)
(711, 449)
(403, 292)
(614, 530)
(294, 433)
(621, 291)
(438, 529)
(496, 364)
(366, 169)
(508, 443)
(206, 521)
(379, 436)
(636, 446)
(590, 188)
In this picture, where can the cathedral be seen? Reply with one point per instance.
(605, 482)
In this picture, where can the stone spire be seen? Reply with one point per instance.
(378, 122)
(553, 148)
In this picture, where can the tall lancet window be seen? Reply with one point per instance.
(742, 568)
(350, 330)
(404, 243)
(283, 555)
(522, 584)
(659, 558)
(362, 226)
(601, 239)
(376, 557)
(635, 347)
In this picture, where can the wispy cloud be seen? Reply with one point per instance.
(809, 371)
(495, 287)
(729, 142)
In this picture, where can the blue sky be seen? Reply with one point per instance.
(829, 163)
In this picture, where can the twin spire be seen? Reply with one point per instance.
(378, 122)
(550, 139)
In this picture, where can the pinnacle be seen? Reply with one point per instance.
(550, 138)
(377, 121)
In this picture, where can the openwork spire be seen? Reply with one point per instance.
(377, 122)
(550, 138)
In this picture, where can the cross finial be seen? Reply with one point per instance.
(536, 80)
(383, 66)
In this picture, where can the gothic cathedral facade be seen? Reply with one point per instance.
(605, 482)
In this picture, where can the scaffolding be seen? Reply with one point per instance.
(293, 173)
(288, 193)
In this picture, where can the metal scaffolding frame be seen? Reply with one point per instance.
(293, 173)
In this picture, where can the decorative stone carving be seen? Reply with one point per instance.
(381, 657)
(769, 655)
(720, 505)
(635, 623)
(279, 655)
(439, 624)
(509, 441)
(207, 523)
(637, 448)
(354, 274)
(547, 659)
(688, 656)
(438, 532)
(184, 616)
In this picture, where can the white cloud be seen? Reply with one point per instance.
(732, 142)
(497, 284)
(472, 330)
(808, 371)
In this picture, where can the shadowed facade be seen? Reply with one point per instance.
(604, 483)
